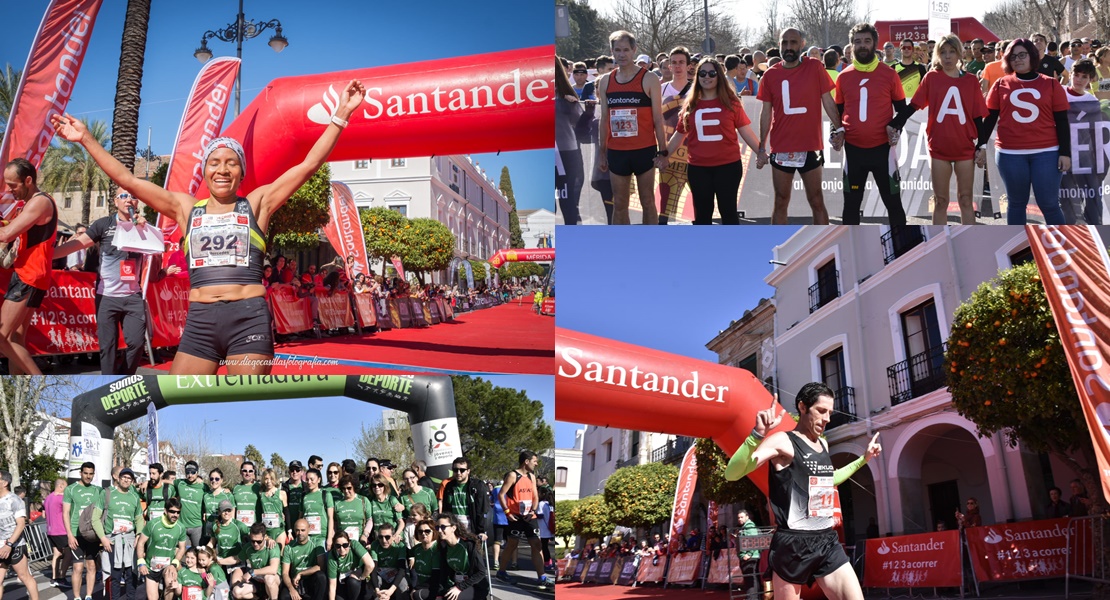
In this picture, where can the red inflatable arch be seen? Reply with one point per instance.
(521, 255)
(494, 102)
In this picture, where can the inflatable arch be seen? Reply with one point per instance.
(507, 255)
(493, 102)
(428, 400)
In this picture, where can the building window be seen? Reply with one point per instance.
(100, 201)
(389, 436)
(69, 202)
(560, 477)
(1017, 258)
(401, 208)
(634, 451)
(827, 287)
(392, 422)
(397, 162)
(923, 371)
(750, 364)
(593, 460)
(900, 240)
(834, 375)
(608, 450)
(832, 369)
(362, 164)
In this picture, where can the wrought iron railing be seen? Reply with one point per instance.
(825, 290)
(844, 407)
(917, 375)
(899, 240)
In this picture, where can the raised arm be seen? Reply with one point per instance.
(271, 197)
(172, 204)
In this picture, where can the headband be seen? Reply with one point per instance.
(226, 142)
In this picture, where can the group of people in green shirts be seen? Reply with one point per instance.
(193, 539)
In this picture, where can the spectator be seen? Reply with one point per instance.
(1056, 506)
(972, 518)
(56, 533)
(1080, 503)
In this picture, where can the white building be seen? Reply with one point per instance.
(568, 469)
(450, 189)
(536, 225)
(868, 313)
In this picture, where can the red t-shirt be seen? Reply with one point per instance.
(868, 103)
(955, 102)
(1026, 120)
(795, 97)
(711, 139)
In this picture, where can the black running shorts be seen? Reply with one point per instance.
(216, 330)
(801, 557)
(631, 162)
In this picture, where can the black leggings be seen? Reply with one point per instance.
(877, 161)
(569, 186)
(722, 181)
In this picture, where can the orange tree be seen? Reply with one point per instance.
(642, 495)
(591, 517)
(1007, 371)
(711, 477)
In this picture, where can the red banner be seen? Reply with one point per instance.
(200, 123)
(48, 78)
(367, 315)
(1013, 551)
(335, 310)
(66, 321)
(344, 230)
(291, 314)
(521, 255)
(548, 306)
(169, 304)
(652, 572)
(493, 102)
(719, 569)
(561, 567)
(685, 567)
(921, 560)
(683, 497)
(1076, 276)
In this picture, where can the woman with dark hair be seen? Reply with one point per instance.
(210, 502)
(1033, 146)
(569, 168)
(383, 507)
(709, 122)
(352, 512)
(279, 265)
(345, 579)
(463, 571)
(424, 562)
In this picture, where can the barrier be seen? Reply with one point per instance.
(335, 310)
(627, 575)
(652, 571)
(921, 560)
(685, 568)
(1018, 551)
(38, 545)
(562, 566)
(592, 571)
(367, 313)
(579, 571)
(1086, 558)
(609, 568)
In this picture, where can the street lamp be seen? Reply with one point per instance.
(240, 30)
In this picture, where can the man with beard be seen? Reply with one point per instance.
(191, 492)
(868, 93)
(672, 179)
(793, 93)
(802, 491)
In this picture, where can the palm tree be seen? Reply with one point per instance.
(67, 166)
(9, 85)
(125, 119)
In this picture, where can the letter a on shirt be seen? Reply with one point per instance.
(952, 105)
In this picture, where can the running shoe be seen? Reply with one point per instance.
(503, 576)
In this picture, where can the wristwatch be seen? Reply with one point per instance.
(662, 153)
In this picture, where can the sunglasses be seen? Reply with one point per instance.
(246, 472)
(378, 485)
(296, 469)
(343, 546)
(423, 531)
(333, 472)
(213, 479)
(707, 74)
(349, 487)
(442, 527)
(124, 196)
(386, 537)
(580, 72)
(173, 512)
(460, 469)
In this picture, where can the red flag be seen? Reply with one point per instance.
(344, 230)
(47, 83)
(200, 123)
(1076, 276)
(396, 260)
(683, 498)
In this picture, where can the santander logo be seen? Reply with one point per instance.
(992, 537)
(320, 115)
(883, 548)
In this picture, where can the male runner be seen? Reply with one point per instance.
(13, 548)
(802, 488)
(247, 506)
(157, 492)
(793, 93)
(672, 179)
(302, 564)
(191, 491)
(520, 498)
(162, 544)
(466, 498)
(631, 135)
(294, 493)
(117, 525)
(868, 93)
(77, 496)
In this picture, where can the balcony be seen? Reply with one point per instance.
(844, 407)
(631, 461)
(899, 240)
(916, 376)
(673, 451)
(825, 290)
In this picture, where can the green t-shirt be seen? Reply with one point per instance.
(217, 573)
(425, 562)
(975, 66)
(298, 557)
(124, 510)
(351, 515)
(230, 538)
(211, 504)
(273, 513)
(315, 506)
(295, 495)
(338, 565)
(156, 500)
(381, 511)
(246, 503)
(424, 496)
(336, 494)
(393, 557)
(161, 546)
(78, 496)
(456, 502)
(259, 559)
(192, 496)
(189, 577)
(458, 559)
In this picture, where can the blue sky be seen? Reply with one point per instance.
(330, 428)
(324, 36)
(672, 289)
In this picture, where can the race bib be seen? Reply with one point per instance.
(121, 526)
(156, 513)
(388, 574)
(822, 494)
(352, 533)
(246, 516)
(271, 520)
(192, 592)
(313, 525)
(525, 506)
(623, 123)
(128, 270)
(790, 159)
(464, 520)
(159, 562)
(220, 240)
